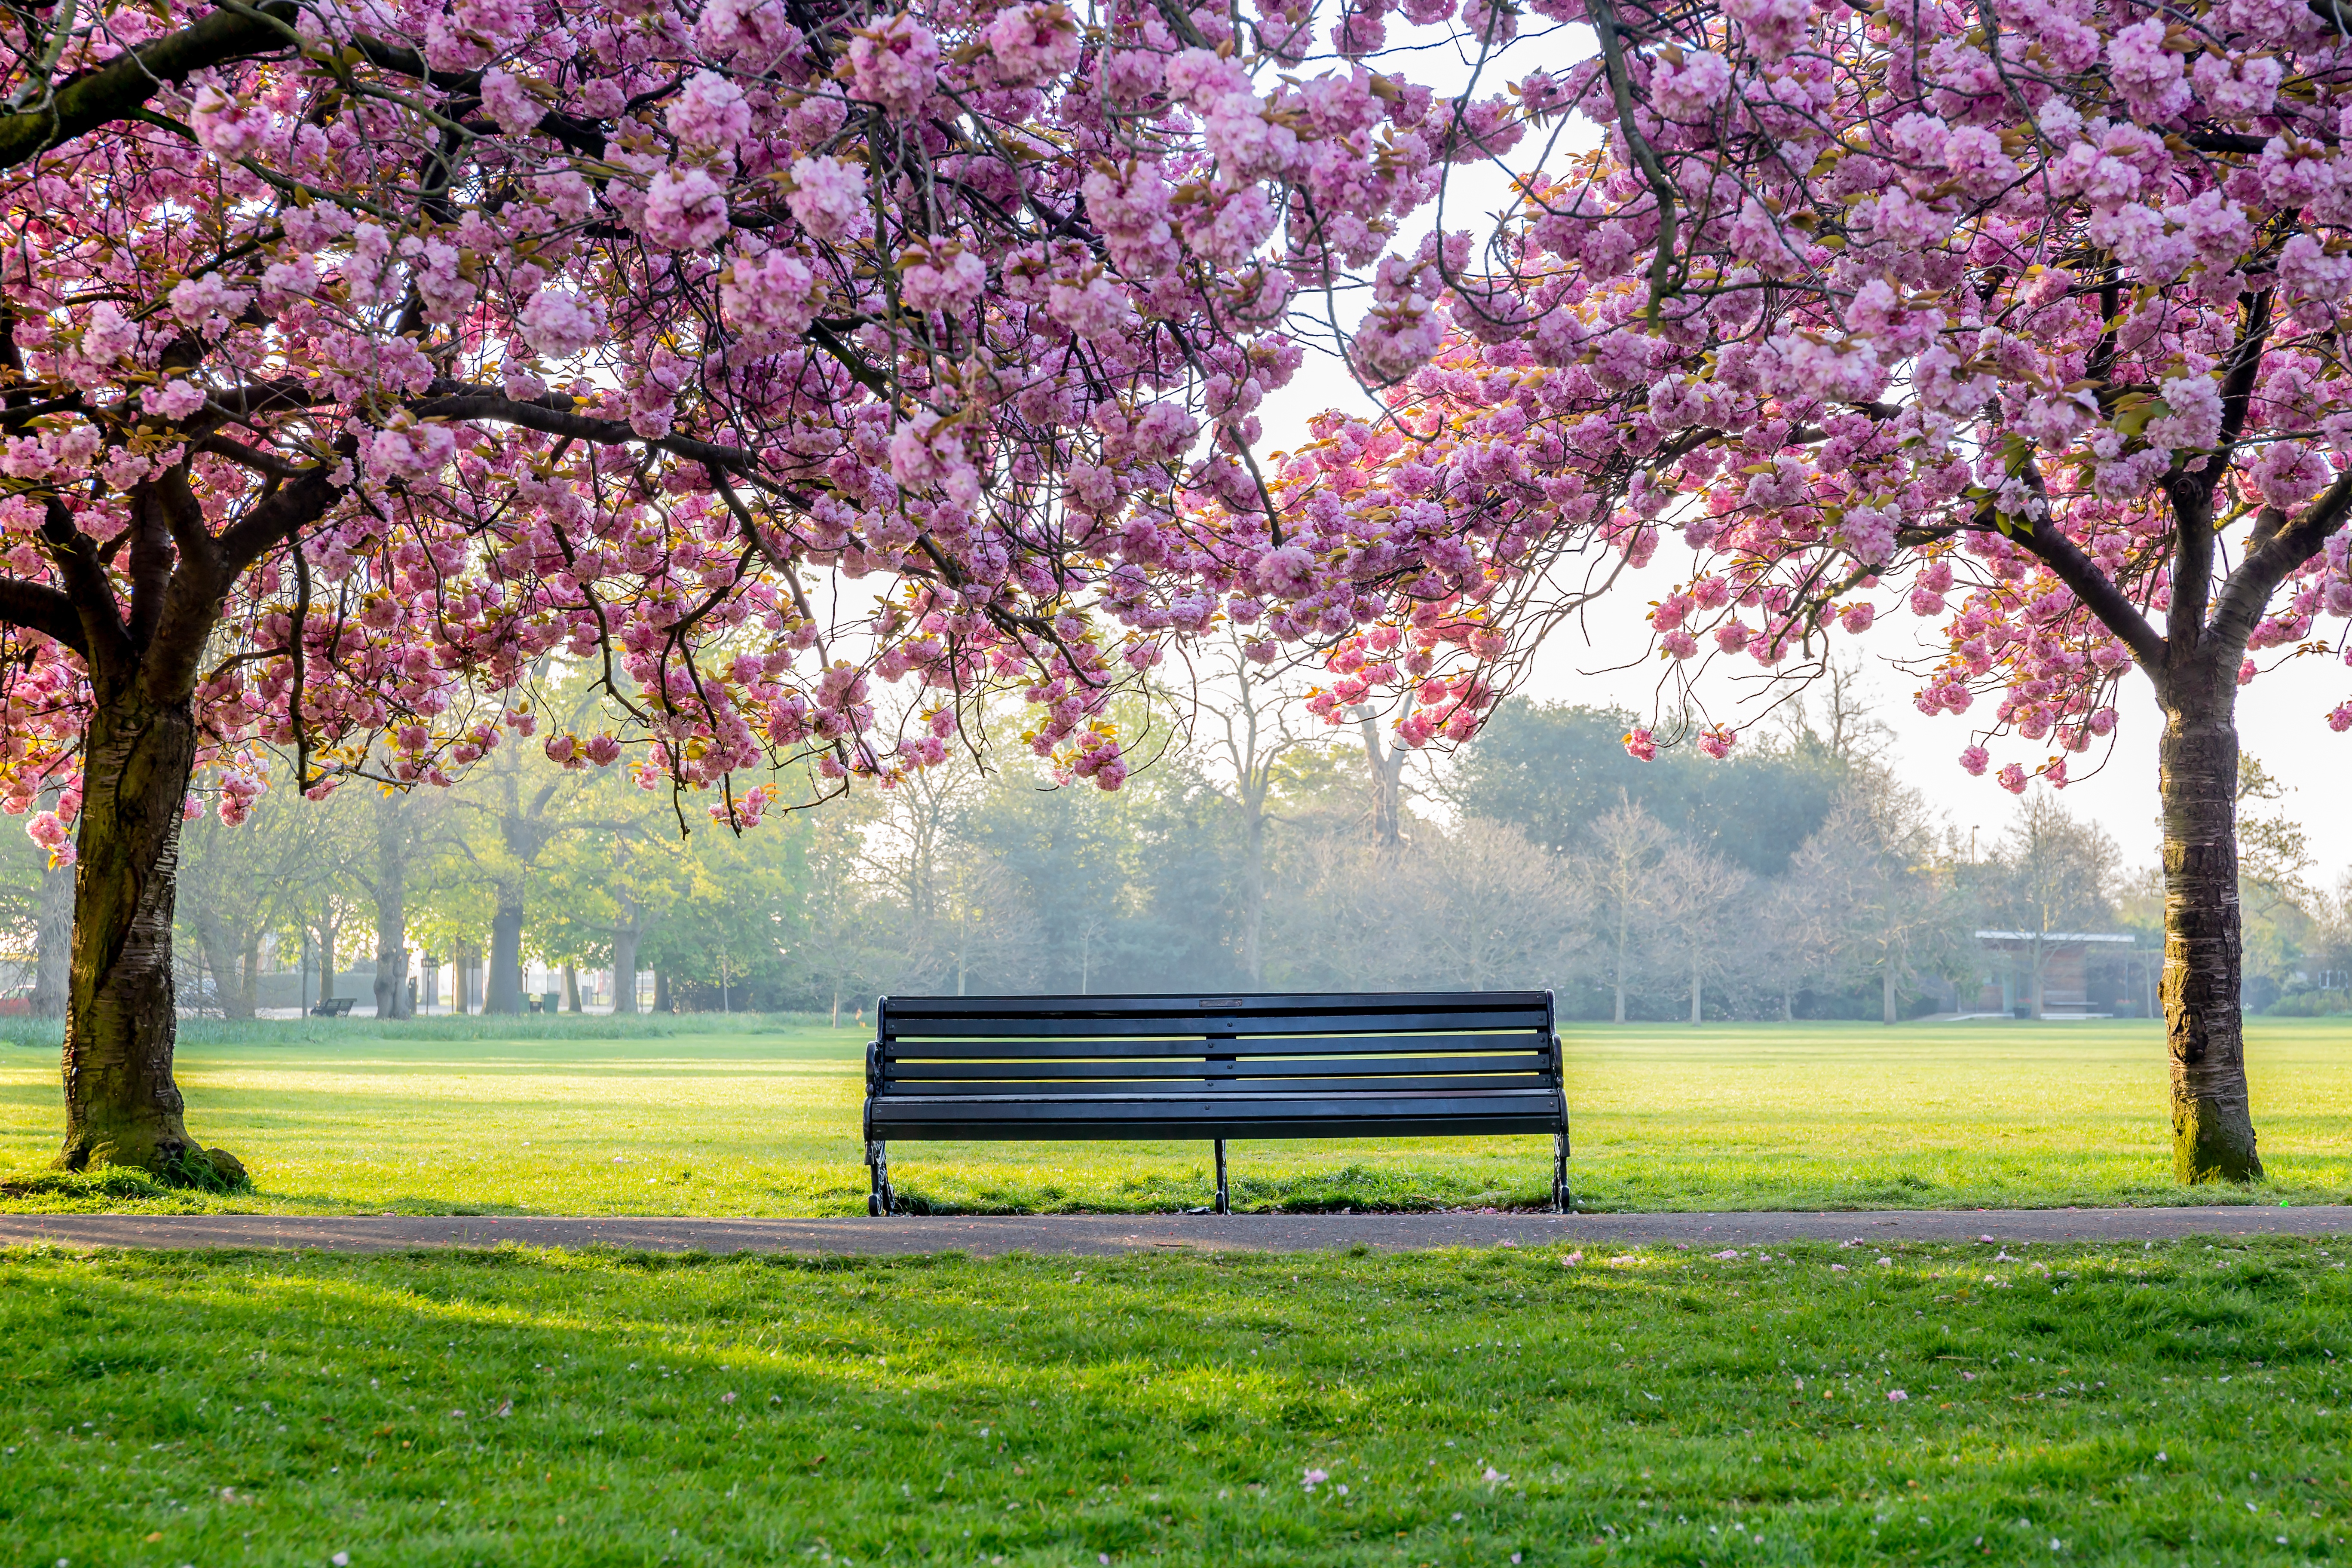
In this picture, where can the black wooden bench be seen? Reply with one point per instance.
(340, 1007)
(1408, 1064)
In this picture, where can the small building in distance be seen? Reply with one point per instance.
(2062, 975)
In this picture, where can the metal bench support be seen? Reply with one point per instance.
(881, 1200)
(1224, 1201)
(1560, 1200)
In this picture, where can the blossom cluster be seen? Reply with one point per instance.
(756, 356)
(1989, 316)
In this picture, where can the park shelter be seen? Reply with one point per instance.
(2061, 974)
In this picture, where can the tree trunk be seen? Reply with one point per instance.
(248, 978)
(661, 991)
(1618, 976)
(503, 994)
(391, 922)
(122, 1106)
(219, 947)
(2197, 758)
(624, 971)
(1886, 987)
(1387, 769)
(53, 943)
(327, 929)
(571, 987)
(1698, 991)
(1254, 897)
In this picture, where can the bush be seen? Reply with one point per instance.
(2311, 1005)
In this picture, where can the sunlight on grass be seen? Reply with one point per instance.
(2177, 1402)
(759, 1117)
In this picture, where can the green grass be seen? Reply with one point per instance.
(739, 1116)
(2179, 1405)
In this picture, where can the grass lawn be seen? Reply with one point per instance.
(760, 1117)
(2174, 1405)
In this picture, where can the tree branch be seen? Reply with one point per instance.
(36, 607)
(2247, 591)
(127, 81)
(2098, 594)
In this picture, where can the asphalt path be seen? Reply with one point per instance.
(1102, 1235)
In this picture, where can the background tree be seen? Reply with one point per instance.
(1555, 769)
(2057, 875)
(248, 883)
(1617, 880)
(1881, 907)
(1695, 910)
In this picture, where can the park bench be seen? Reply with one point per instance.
(1408, 1064)
(340, 1007)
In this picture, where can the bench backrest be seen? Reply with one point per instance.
(1489, 1059)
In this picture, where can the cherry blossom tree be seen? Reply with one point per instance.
(362, 356)
(2023, 316)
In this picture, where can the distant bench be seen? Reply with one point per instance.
(1404, 1065)
(340, 1007)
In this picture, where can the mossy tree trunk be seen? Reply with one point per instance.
(122, 1106)
(2212, 1124)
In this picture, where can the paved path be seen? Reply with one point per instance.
(987, 1237)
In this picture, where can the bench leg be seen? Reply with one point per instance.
(1225, 1200)
(881, 1200)
(1560, 1201)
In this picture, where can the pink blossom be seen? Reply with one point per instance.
(195, 299)
(896, 65)
(1030, 41)
(1642, 747)
(710, 113)
(1717, 742)
(1974, 760)
(225, 126)
(829, 198)
(936, 282)
(510, 103)
(684, 210)
(175, 399)
(559, 324)
(2013, 778)
(776, 293)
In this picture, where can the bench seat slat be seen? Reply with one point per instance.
(1373, 1100)
(1108, 1006)
(904, 1071)
(1221, 1117)
(1014, 1087)
(1034, 1027)
(1309, 1044)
